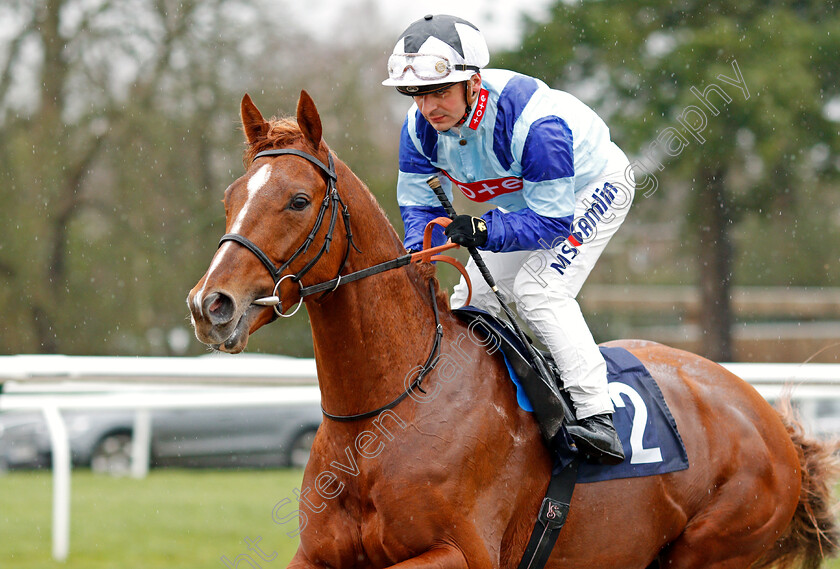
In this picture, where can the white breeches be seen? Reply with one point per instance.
(544, 284)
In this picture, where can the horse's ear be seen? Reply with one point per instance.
(253, 123)
(308, 119)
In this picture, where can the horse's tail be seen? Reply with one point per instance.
(813, 534)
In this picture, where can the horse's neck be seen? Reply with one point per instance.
(369, 334)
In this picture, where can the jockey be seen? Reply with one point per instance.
(546, 161)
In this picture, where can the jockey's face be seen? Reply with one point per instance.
(443, 109)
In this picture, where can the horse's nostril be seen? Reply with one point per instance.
(218, 307)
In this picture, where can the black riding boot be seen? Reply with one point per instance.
(596, 437)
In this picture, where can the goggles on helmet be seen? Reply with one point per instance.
(425, 67)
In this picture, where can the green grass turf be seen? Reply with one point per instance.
(177, 519)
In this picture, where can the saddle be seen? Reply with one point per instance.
(551, 404)
(552, 412)
(642, 417)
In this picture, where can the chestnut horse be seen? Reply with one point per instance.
(453, 476)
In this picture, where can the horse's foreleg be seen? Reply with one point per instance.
(299, 561)
(445, 556)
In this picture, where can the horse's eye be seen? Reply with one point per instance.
(299, 202)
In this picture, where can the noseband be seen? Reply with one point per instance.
(332, 201)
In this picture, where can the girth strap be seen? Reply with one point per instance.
(551, 517)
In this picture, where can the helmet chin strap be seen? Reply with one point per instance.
(469, 98)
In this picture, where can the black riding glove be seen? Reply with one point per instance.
(467, 231)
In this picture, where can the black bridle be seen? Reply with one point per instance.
(332, 201)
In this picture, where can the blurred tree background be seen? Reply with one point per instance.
(730, 114)
(119, 132)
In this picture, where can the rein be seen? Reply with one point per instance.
(427, 254)
(332, 201)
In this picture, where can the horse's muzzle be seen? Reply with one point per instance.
(218, 308)
(219, 322)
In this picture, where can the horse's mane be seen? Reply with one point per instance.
(281, 133)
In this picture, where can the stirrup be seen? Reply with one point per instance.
(600, 443)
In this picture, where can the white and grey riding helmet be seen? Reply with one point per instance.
(435, 52)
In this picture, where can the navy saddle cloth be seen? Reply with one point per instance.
(648, 432)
